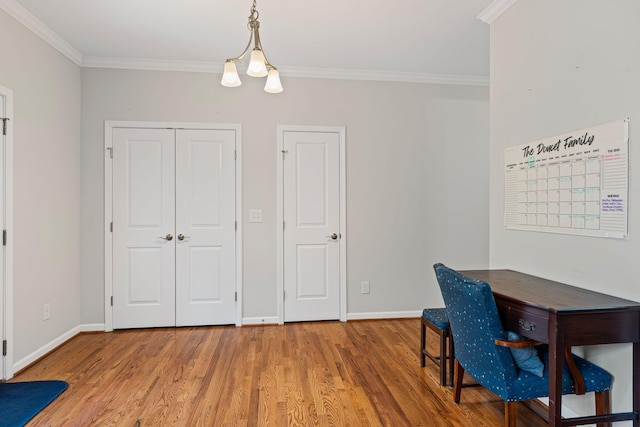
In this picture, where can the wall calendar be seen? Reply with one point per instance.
(576, 183)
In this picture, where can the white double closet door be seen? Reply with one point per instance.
(173, 227)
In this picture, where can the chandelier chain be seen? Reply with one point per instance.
(253, 18)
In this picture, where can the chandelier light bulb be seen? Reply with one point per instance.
(230, 76)
(273, 84)
(257, 67)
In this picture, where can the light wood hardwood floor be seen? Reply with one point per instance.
(358, 373)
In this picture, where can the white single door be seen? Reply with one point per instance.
(205, 227)
(3, 285)
(311, 211)
(6, 221)
(143, 228)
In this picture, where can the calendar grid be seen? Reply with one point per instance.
(558, 186)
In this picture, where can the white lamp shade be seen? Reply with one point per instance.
(230, 76)
(273, 84)
(257, 67)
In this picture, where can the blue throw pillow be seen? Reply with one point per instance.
(526, 358)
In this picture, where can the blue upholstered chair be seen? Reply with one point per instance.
(482, 350)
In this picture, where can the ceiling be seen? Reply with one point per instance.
(392, 37)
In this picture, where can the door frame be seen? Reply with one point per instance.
(340, 130)
(109, 125)
(6, 285)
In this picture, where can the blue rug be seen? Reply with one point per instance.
(19, 402)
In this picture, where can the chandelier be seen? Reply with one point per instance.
(259, 65)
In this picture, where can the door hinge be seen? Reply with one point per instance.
(284, 294)
(4, 124)
(4, 347)
(236, 225)
(236, 296)
(4, 237)
(282, 225)
(111, 227)
(110, 150)
(235, 154)
(284, 152)
(111, 300)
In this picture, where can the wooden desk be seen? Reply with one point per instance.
(565, 316)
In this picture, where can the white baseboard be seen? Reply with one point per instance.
(384, 315)
(30, 358)
(273, 320)
(92, 327)
(260, 320)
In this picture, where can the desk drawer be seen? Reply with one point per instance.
(527, 323)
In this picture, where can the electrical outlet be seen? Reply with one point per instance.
(364, 286)
(46, 311)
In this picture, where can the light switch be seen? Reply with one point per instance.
(255, 215)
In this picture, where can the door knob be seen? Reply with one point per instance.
(182, 237)
(334, 236)
(167, 237)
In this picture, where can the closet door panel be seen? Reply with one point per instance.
(205, 227)
(143, 228)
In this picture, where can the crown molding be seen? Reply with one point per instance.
(23, 16)
(495, 9)
(152, 64)
(389, 76)
(315, 73)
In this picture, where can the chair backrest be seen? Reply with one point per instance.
(475, 324)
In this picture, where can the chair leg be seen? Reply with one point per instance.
(510, 414)
(443, 358)
(457, 382)
(451, 356)
(423, 341)
(603, 405)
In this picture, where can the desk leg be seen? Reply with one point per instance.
(636, 383)
(556, 356)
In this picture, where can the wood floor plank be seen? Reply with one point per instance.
(361, 373)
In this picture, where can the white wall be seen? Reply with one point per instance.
(417, 175)
(557, 67)
(47, 119)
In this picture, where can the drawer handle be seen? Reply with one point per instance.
(527, 326)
